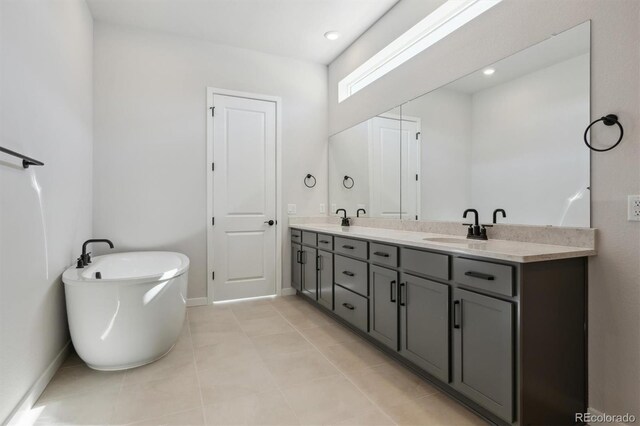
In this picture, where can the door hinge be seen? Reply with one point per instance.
(416, 176)
(213, 275)
(213, 166)
(417, 135)
(213, 221)
(213, 111)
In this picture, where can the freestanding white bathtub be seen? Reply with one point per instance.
(131, 316)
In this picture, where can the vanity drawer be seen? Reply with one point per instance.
(309, 238)
(383, 254)
(487, 276)
(351, 247)
(425, 263)
(351, 307)
(296, 235)
(325, 241)
(351, 274)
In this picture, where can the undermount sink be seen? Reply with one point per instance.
(450, 240)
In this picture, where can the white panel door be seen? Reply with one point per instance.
(393, 164)
(244, 198)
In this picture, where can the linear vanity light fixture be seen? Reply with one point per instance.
(446, 19)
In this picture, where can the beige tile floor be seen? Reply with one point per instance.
(274, 361)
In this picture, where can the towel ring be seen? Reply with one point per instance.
(344, 182)
(608, 120)
(307, 177)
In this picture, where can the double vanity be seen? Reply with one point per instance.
(499, 325)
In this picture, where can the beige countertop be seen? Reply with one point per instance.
(514, 251)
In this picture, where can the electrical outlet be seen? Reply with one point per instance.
(334, 207)
(634, 208)
(291, 209)
(322, 207)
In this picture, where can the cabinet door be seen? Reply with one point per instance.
(309, 272)
(483, 350)
(383, 307)
(325, 278)
(296, 266)
(424, 324)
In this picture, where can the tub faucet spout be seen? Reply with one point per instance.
(85, 257)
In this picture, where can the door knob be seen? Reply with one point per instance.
(270, 222)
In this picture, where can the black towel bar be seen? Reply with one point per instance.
(26, 161)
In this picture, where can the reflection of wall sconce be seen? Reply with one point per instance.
(308, 178)
(346, 180)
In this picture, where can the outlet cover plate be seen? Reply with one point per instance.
(291, 208)
(633, 213)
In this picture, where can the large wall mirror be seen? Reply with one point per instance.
(508, 136)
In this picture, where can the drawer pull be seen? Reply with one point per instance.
(348, 306)
(349, 274)
(295, 236)
(381, 254)
(456, 304)
(324, 242)
(480, 275)
(348, 247)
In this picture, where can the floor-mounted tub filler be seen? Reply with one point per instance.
(126, 309)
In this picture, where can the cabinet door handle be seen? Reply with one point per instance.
(319, 265)
(303, 258)
(400, 296)
(348, 247)
(381, 254)
(393, 288)
(456, 307)
(298, 256)
(348, 306)
(349, 274)
(480, 275)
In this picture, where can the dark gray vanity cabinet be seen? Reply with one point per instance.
(296, 266)
(424, 324)
(483, 329)
(325, 278)
(383, 305)
(309, 272)
(507, 339)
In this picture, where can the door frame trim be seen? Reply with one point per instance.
(211, 91)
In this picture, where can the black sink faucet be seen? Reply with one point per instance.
(475, 232)
(345, 219)
(85, 258)
(495, 214)
(360, 210)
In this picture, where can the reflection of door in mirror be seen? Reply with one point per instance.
(394, 153)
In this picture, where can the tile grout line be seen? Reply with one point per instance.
(195, 365)
(373, 403)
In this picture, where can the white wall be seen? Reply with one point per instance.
(150, 137)
(614, 275)
(519, 125)
(445, 117)
(45, 212)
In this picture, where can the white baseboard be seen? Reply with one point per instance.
(17, 416)
(197, 301)
(289, 291)
(595, 412)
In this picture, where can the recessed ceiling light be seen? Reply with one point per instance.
(488, 71)
(332, 35)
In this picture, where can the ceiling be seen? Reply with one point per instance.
(293, 28)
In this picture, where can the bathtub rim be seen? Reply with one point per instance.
(72, 275)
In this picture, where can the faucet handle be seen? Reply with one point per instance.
(80, 263)
(467, 224)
